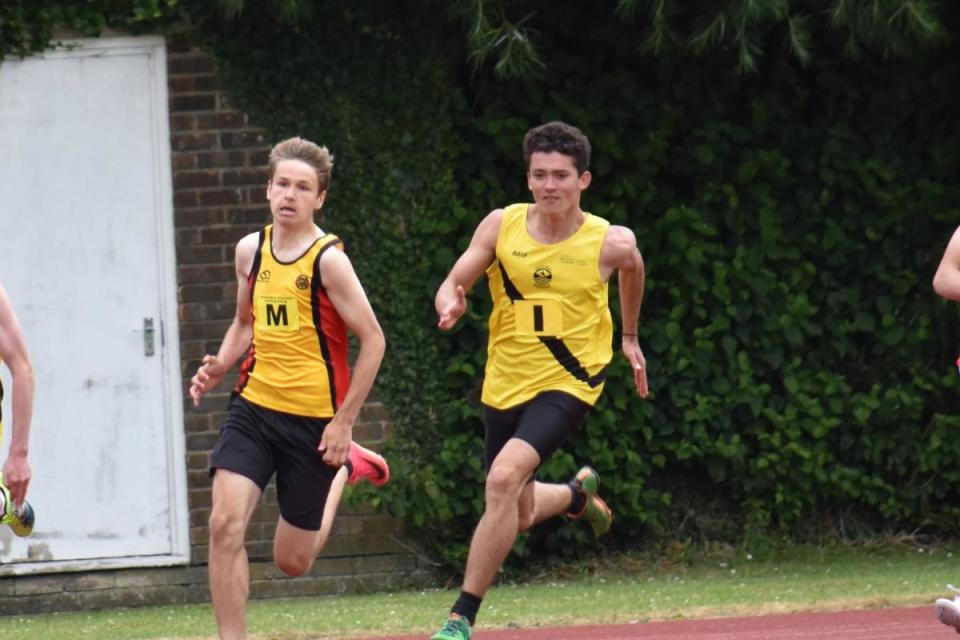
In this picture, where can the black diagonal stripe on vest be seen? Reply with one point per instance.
(556, 346)
(509, 288)
(569, 362)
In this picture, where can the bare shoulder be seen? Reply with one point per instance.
(619, 251)
(619, 240)
(334, 254)
(249, 242)
(489, 227)
(246, 249)
(335, 266)
(953, 247)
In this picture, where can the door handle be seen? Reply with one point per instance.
(148, 337)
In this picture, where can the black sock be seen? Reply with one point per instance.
(578, 502)
(467, 606)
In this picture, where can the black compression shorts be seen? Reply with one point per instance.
(543, 422)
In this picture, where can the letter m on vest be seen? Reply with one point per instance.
(277, 315)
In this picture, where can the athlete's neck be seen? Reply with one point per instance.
(289, 242)
(548, 227)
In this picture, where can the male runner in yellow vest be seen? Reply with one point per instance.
(946, 282)
(547, 266)
(292, 413)
(15, 511)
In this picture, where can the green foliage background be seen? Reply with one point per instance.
(791, 221)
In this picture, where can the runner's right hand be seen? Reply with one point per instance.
(451, 310)
(208, 376)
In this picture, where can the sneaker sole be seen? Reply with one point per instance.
(948, 613)
(609, 523)
(378, 462)
(381, 465)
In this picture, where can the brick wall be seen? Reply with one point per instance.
(219, 187)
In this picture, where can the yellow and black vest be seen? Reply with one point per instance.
(550, 328)
(298, 361)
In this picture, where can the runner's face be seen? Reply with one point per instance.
(553, 180)
(294, 193)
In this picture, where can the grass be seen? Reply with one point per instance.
(625, 589)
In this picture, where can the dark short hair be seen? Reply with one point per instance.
(560, 137)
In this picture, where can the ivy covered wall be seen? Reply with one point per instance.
(791, 221)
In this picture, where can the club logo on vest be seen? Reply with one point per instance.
(264, 276)
(303, 282)
(542, 277)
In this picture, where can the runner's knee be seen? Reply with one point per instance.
(293, 564)
(226, 530)
(502, 485)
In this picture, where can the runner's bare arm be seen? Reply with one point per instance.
(13, 351)
(946, 282)
(240, 333)
(347, 295)
(451, 300)
(620, 252)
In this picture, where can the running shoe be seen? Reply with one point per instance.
(367, 464)
(948, 610)
(596, 511)
(456, 628)
(20, 521)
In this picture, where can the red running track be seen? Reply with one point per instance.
(874, 624)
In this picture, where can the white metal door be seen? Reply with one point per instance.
(87, 256)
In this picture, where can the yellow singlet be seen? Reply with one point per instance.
(298, 360)
(550, 328)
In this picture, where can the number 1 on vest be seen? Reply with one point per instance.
(538, 318)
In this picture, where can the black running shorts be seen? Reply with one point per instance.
(543, 422)
(256, 442)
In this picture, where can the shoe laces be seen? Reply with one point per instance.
(453, 625)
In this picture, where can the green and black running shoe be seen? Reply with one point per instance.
(456, 628)
(597, 512)
(20, 522)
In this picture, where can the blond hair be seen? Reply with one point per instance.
(301, 149)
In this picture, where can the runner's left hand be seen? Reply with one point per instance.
(16, 475)
(335, 442)
(638, 364)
